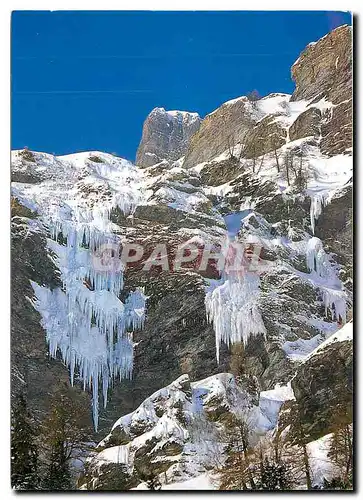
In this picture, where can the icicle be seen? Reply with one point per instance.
(95, 408)
(92, 350)
(232, 305)
(318, 261)
(233, 309)
(85, 320)
(335, 303)
(318, 201)
(334, 297)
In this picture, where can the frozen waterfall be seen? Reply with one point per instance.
(85, 321)
(325, 278)
(232, 302)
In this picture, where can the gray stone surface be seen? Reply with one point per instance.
(166, 136)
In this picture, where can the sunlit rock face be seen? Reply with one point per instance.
(324, 69)
(227, 125)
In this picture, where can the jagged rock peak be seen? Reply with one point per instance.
(166, 136)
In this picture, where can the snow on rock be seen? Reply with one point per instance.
(177, 431)
(275, 104)
(329, 176)
(173, 432)
(342, 335)
(279, 104)
(326, 176)
(183, 115)
(179, 200)
(202, 482)
(320, 464)
(297, 350)
(303, 349)
(116, 454)
(271, 401)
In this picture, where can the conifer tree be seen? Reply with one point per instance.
(273, 475)
(297, 452)
(58, 475)
(64, 434)
(24, 451)
(238, 470)
(341, 453)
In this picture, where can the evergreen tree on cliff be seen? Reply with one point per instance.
(24, 451)
(64, 435)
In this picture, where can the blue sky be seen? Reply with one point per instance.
(86, 80)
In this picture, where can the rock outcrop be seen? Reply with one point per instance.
(335, 228)
(166, 136)
(175, 434)
(324, 69)
(324, 66)
(307, 124)
(323, 386)
(222, 129)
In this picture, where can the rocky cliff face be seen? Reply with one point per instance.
(226, 126)
(324, 69)
(323, 385)
(274, 174)
(165, 136)
(323, 75)
(325, 66)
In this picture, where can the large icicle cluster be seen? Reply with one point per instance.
(233, 309)
(232, 303)
(85, 321)
(324, 275)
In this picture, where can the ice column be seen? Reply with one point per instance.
(232, 304)
(86, 322)
(325, 278)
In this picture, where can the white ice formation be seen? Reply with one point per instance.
(325, 278)
(85, 321)
(232, 302)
